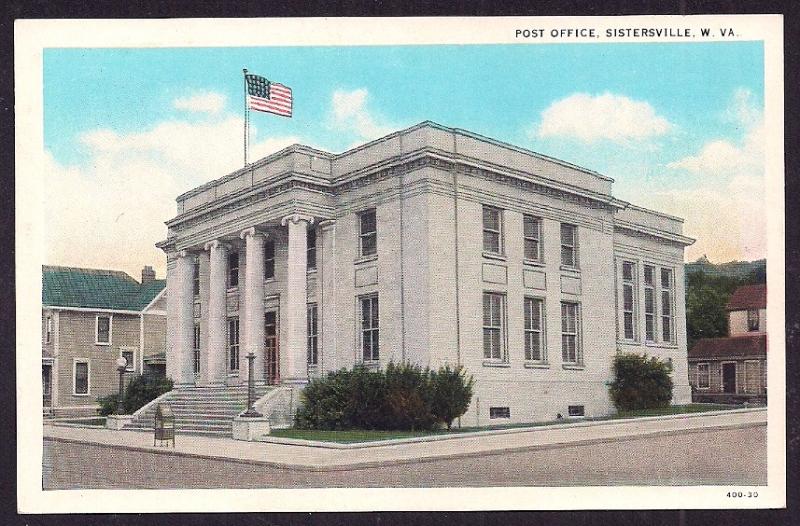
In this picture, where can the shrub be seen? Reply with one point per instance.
(452, 392)
(140, 390)
(640, 382)
(404, 396)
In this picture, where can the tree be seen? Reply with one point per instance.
(452, 392)
(640, 382)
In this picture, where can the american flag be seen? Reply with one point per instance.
(269, 97)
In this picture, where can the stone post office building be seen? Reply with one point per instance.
(431, 245)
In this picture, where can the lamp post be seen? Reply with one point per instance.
(122, 364)
(251, 412)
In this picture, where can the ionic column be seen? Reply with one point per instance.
(216, 351)
(253, 319)
(180, 299)
(293, 353)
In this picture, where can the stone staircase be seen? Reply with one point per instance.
(199, 410)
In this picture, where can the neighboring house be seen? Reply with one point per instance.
(431, 245)
(90, 318)
(734, 368)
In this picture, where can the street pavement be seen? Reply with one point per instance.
(736, 456)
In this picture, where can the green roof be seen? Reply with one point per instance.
(96, 288)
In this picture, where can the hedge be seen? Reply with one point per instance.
(640, 382)
(403, 397)
(139, 391)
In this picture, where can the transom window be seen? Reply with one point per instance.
(569, 245)
(667, 288)
(311, 249)
(103, 335)
(369, 328)
(752, 320)
(233, 269)
(649, 304)
(269, 259)
(494, 326)
(367, 233)
(492, 230)
(532, 230)
(628, 303)
(81, 379)
(312, 333)
(570, 333)
(703, 376)
(233, 344)
(196, 276)
(534, 341)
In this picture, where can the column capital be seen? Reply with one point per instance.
(296, 218)
(216, 244)
(247, 232)
(185, 253)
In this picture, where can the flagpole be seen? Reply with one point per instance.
(246, 118)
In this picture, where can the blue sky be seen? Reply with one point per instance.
(674, 124)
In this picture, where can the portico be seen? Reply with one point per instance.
(223, 288)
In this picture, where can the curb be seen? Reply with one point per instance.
(379, 463)
(491, 432)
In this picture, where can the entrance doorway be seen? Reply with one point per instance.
(729, 377)
(272, 362)
(47, 385)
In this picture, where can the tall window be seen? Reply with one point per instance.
(534, 342)
(752, 320)
(628, 303)
(492, 230)
(369, 328)
(196, 349)
(532, 230)
(311, 323)
(196, 276)
(233, 344)
(233, 269)
(103, 335)
(269, 259)
(667, 286)
(271, 346)
(703, 376)
(81, 380)
(311, 248)
(130, 365)
(493, 326)
(649, 304)
(570, 333)
(569, 245)
(48, 329)
(367, 233)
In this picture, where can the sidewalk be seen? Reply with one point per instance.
(314, 458)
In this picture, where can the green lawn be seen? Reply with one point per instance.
(358, 435)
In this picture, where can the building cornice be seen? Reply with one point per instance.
(93, 309)
(628, 227)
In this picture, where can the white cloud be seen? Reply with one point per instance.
(721, 158)
(109, 211)
(209, 102)
(605, 117)
(350, 114)
(726, 211)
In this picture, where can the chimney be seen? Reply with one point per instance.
(148, 274)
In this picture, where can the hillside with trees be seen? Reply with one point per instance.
(708, 288)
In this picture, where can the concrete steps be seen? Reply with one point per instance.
(199, 410)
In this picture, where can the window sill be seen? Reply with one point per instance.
(311, 270)
(660, 345)
(491, 363)
(574, 270)
(533, 263)
(233, 374)
(371, 364)
(104, 344)
(80, 394)
(270, 280)
(573, 366)
(233, 289)
(494, 255)
(365, 259)
(628, 342)
(536, 365)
